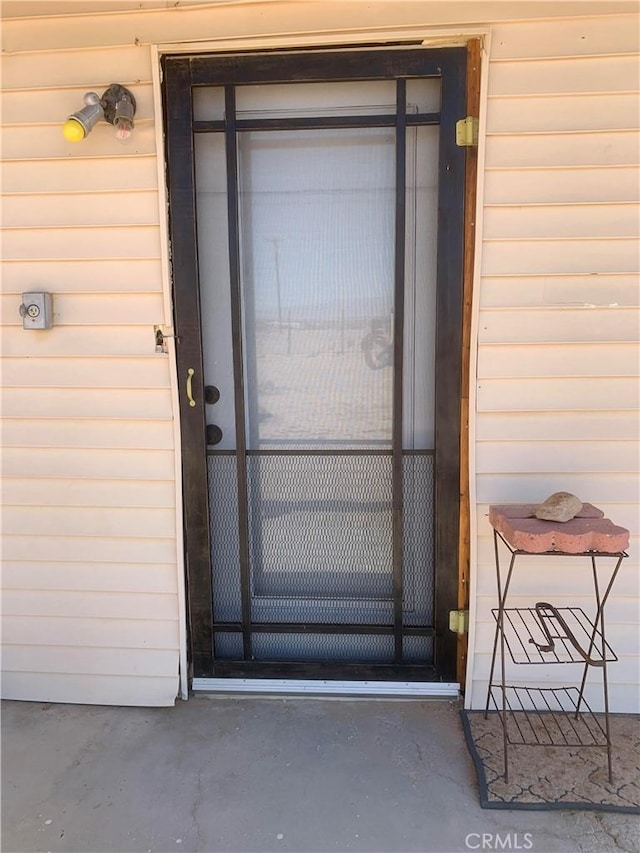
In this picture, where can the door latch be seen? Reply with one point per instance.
(161, 338)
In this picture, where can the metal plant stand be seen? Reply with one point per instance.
(548, 635)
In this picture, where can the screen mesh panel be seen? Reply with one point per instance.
(225, 547)
(323, 648)
(320, 538)
(418, 539)
(418, 650)
(321, 551)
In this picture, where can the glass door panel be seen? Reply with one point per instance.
(317, 226)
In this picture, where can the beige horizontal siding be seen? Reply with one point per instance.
(101, 578)
(85, 276)
(561, 184)
(559, 425)
(88, 403)
(82, 67)
(125, 207)
(53, 244)
(550, 254)
(42, 685)
(69, 659)
(566, 148)
(90, 612)
(149, 372)
(562, 360)
(39, 490)
(89, 472)
(596, 221)
(566, 75)
(553, 114)
(503, 457)
(142, 434)
(80, 549)
(80, 173)
(90, 632)
(90, 463)
(81, 341)
(584, 39)
(231, 21)
(558, 324)
(82, 604)
(563, 394)
(535, 486)
(604, 290)
(143, 522)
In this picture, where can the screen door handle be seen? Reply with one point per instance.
(190, 373)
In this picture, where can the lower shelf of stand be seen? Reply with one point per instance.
(545, 716)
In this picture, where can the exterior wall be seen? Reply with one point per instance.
(557, 325)
(92, 607)
(90, 574)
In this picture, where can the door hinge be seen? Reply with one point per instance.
(467, 132)
(459, 621)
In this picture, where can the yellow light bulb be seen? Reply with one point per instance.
(72, 130)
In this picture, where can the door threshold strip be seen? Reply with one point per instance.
(327, 687)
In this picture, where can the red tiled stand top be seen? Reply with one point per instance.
(588, 531)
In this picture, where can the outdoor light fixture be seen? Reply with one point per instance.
(116, 106)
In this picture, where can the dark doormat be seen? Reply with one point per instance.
(552, 777)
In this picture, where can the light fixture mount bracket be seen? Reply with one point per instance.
(111, 97)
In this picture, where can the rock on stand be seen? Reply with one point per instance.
(560, 506)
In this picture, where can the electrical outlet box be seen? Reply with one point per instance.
(36, 311)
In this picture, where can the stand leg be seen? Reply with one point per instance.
(605, 682)
(505, 740)
(502, 597)
(495, 636)
(599, 620)
(599, 612)
(605, 686)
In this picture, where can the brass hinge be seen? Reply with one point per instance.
(459, 621)
(467, 132)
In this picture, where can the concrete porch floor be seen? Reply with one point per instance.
(252, 775)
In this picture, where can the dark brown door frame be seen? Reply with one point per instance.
(471, 179)
(181, 73)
